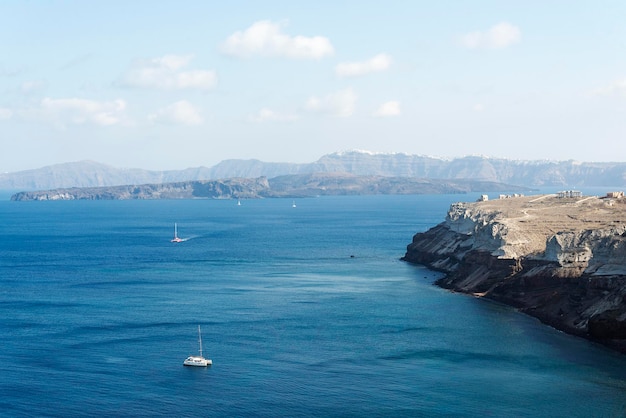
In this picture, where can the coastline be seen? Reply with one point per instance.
(560, 260)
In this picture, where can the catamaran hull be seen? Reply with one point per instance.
(197, 362)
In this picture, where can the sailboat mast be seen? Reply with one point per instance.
(200, 340)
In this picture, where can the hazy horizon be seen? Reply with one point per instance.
(140, 167)
(174, 85)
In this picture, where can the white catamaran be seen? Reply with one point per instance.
(198, 361)
(176, 239)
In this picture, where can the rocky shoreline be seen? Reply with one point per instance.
(559, 259)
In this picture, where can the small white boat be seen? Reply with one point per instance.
(239, 203)
(176, 239)
(293, 205)
(198, 361)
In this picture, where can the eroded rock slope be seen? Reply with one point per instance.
(562, 260)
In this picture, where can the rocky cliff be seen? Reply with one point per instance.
(562, 260)
(219, 189)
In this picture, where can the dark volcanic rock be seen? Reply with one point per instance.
(562, 261)
(608, 325)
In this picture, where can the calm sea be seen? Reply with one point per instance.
(305, 311)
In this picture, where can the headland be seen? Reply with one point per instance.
(560, 258)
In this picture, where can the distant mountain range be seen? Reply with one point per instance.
(562, 174)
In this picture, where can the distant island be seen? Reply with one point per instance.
(560, 258)
(532, 174)
(304, 185)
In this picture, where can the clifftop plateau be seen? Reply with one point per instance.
(560, 259)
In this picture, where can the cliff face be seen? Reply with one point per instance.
(219, 189)
(560, 260)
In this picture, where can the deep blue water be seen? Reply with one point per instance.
(305, 311)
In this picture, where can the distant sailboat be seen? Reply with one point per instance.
(198, 361)
(176, 239)
(293, 205)
(238, 202)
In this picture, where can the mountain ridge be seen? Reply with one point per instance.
(528, 173)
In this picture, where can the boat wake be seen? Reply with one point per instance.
(187, 238)
(177, 239)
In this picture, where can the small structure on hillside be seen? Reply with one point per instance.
(569, 193)
(483, 198)
(615, 195)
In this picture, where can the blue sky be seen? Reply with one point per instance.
(170, 85)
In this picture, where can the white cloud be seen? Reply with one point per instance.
(5, 113)
(617, 87)
(81, 111)
(179, 113)
(380, 62)
(172, 62)
(478, 107)
(265, 115)
(391, 108)
(166, 73)
(32, 86)
(339, 104)
(499, 36)
(266, 39)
